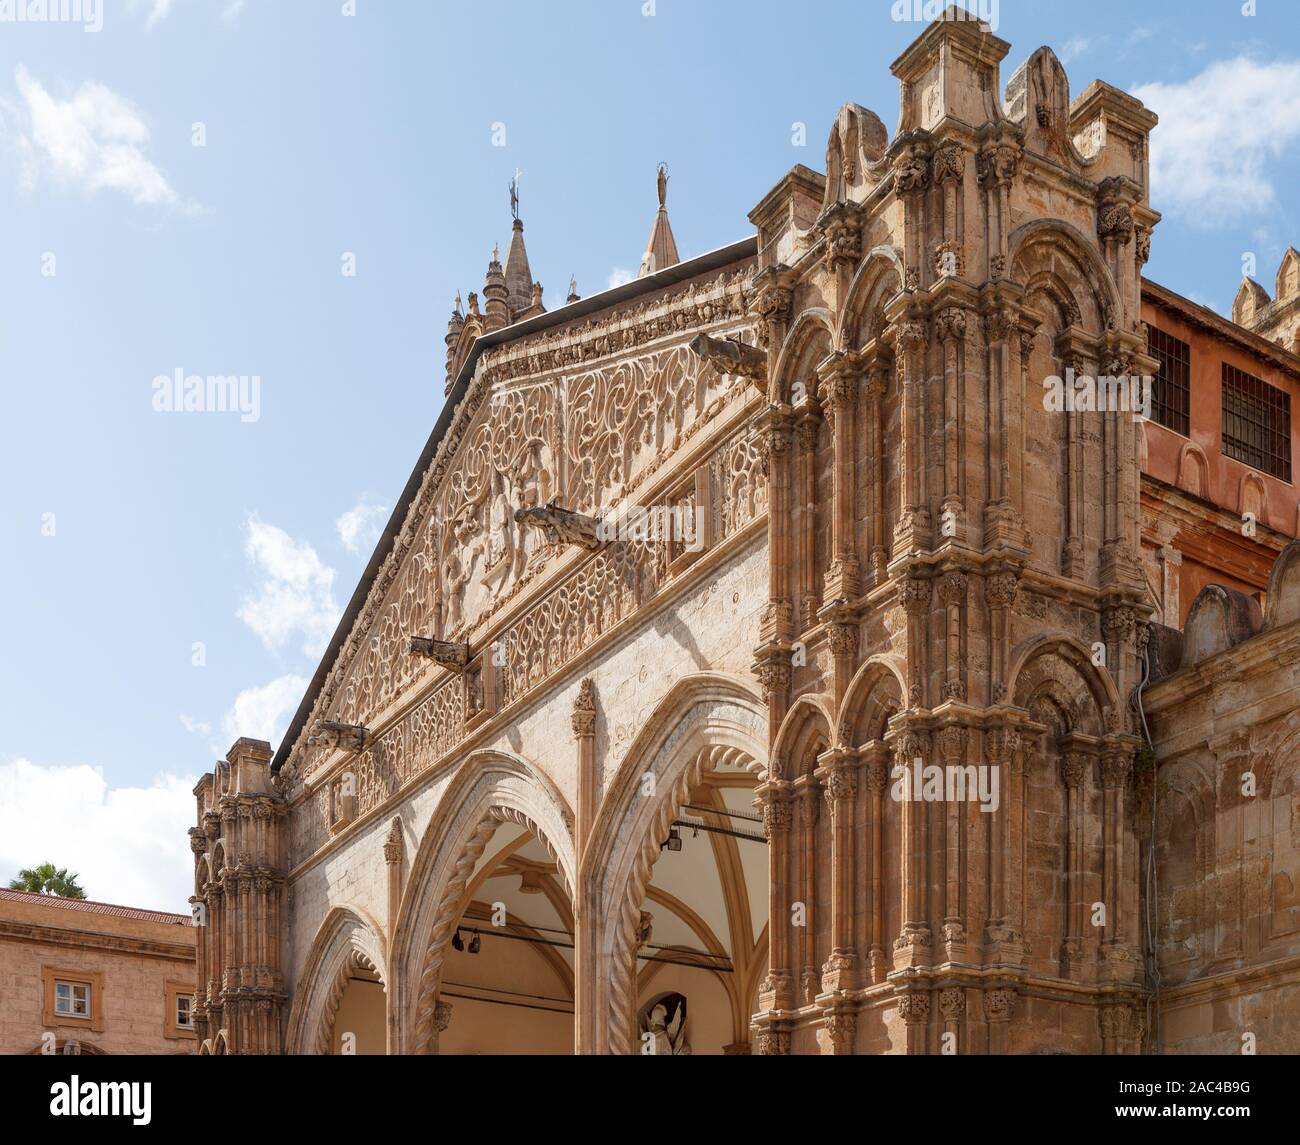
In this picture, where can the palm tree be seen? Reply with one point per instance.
(47, 879)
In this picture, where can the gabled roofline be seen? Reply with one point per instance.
(606, 299)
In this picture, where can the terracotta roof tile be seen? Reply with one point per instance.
(90, 907)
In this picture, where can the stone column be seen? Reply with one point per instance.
(841, 787)
(1074, 772)
(586, 954)
(394, 851)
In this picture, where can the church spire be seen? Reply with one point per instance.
(661, 250)
(519, 277)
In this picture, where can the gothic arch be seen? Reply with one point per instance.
(866, 698)
(1076, 680)
(346, 941)
(809, 720)
(869, 283)
(489, 788)
(1069, 240)
(810, 325)
(699, 713)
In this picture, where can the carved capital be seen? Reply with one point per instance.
(583, 716)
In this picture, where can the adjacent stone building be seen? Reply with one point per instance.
(759, 661)
(91, 978)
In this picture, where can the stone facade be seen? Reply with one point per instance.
(689, 579)
(129, 968)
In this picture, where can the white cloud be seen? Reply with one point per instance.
(196, 727)
(359, 528)
(296, 593)
(95, 140)
(231, 11)
(1220, 133)
(264, 713)
(127, 844)
(620, 277)
(1074, 47)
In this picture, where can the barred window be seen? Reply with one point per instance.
(1171, 400)
(1256, 423)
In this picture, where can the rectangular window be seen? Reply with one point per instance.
(72, 999)
(1256, 423)
(1171, 401)
(184, 1005)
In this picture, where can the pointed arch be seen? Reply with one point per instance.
(699, 713)
(812, 324)
(489, 788)
(346, 941)
(1065, 239)
(881, 271)
(866, 700)
(1064, 665)
(809, 722)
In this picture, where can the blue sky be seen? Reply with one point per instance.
(127, 252)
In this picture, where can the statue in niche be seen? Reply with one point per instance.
(663, 1027)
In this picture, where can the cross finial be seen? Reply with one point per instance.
(514, 192)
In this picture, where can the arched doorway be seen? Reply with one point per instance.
(675, 873)
(703, 920)
(507, 979)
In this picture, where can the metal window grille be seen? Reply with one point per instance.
(1256, 423)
